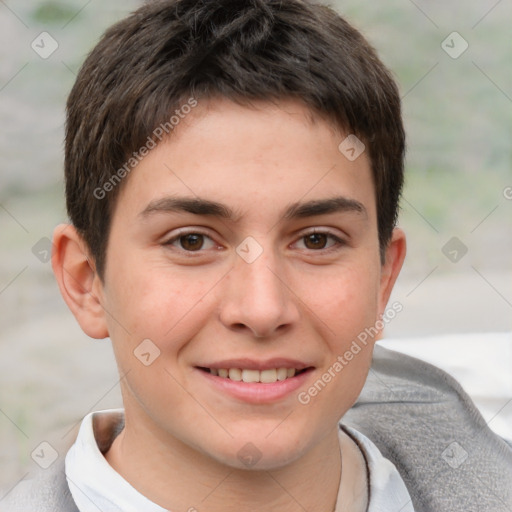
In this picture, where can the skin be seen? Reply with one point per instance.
(305, 298)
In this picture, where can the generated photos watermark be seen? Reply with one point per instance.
(137, 156)
(305, 397)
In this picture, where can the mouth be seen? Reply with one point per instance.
(268, 376)
(255, 383)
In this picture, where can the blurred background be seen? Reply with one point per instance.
(453, 63)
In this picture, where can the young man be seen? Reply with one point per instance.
(233, 171)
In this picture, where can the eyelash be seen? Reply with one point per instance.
(338, 242)
(184, 233)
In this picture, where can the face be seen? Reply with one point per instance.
(244, 245)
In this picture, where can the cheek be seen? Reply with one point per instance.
(345, 309)
(346, 302)
(154, 315)
(155, 303)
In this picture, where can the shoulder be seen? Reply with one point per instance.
(386, 488)
(422, 420)
(48, 491)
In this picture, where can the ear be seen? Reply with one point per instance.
(395, 255)
(78, 281)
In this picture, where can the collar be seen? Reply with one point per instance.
(94, 484)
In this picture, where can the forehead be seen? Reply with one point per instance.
(264, 155)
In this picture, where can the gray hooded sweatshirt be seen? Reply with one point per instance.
(420, 419)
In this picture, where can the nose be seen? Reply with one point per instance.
(257, 298)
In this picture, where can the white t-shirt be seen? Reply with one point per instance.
(95, 485)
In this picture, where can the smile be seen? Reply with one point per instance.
(271, 382)
(246, 375)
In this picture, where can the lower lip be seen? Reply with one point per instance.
(257, 392)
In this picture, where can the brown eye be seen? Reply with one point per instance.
(316, 240)
(192, 241)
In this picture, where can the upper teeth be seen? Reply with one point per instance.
(266, 376)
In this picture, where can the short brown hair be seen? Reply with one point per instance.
(148, 64)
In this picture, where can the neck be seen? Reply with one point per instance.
(177, 477)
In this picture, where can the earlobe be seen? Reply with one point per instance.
(78, 281)
(395, 255)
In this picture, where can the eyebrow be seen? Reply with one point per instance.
(323, 207)
(198, 206)
(193, 205)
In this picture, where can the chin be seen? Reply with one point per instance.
(257, 453)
